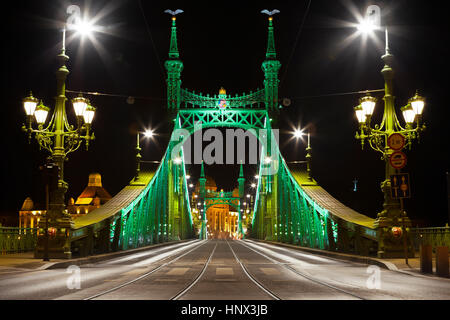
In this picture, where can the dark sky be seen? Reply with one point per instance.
(223, 43)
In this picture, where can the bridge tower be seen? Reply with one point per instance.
(256, 110)
(271, 66)
(174, 67)
(269, 182)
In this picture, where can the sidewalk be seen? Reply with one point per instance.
(26, 261)
(412, 268)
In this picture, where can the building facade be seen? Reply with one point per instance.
(221, 219)
(92, 197)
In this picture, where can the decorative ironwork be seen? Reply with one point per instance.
(14, 240)
(250, 100)
(245, 119)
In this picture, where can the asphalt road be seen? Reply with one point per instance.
(221, 270)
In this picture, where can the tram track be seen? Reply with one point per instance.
(308, 277)
(252, 278)
(242, 265)
(145, 274)
(246, 272)
(196, 279)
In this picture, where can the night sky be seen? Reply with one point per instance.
(223, 43)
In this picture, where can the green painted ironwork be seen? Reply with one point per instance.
(161, 212)
(284, 212)
(251, 100)
(436, 237)
(15, 240)
(238, 118)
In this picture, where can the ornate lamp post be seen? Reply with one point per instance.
(391, 243)
(59, 138)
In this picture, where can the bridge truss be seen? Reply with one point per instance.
(288, 207)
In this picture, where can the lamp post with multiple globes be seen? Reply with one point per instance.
(391, 242)
(59, 138)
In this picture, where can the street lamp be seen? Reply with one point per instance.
(379, 137)
(299, 134)
(59, 138)
(147, 134)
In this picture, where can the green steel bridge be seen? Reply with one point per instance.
(289, 205)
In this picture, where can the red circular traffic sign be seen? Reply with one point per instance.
(396, 232)
(398, 160)
(396, 141)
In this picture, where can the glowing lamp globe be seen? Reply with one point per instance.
(79, 105)
(360, 114)
(41, 113)
(29, 104)
(408, 114)
(417, 103)
(89, 114)
(368, 104)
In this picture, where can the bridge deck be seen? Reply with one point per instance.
(328, 202)
(123, 199)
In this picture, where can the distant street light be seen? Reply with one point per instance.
(298, 134)
(147, 134)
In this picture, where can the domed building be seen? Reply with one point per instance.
(29, 216)
(92, 197)
(222, 219)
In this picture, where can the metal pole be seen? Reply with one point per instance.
(46, 258)
(405, 247)
(138, 157)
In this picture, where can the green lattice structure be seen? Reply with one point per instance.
(289, 207)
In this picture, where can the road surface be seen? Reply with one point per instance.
(220, 270)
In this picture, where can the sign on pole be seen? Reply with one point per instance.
(400, 187)
(396, 141)
(397, 160)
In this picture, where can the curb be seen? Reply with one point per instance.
(105, 256)
(336, 255)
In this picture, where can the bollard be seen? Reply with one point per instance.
(426, 258)
(442, 262)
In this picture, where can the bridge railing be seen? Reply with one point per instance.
(436, 237)
(15, 240)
